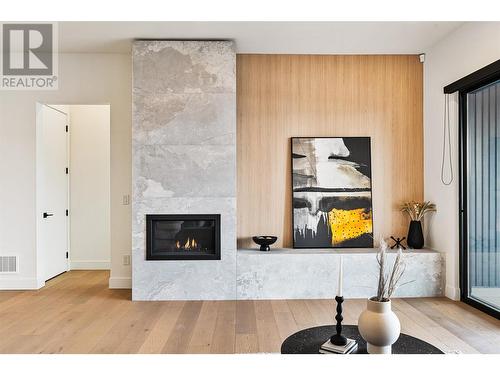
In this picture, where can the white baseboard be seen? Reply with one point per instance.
(90, 265)
(21, 283)
(452, 293)
(120, 283)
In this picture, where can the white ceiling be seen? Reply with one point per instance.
(262, 37)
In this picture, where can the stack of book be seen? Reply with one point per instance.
(329, 348)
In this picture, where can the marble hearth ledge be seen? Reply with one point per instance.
(312, 273)
(346, 250)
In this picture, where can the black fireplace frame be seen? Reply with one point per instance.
(151, 218)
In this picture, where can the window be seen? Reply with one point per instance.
(479, 107)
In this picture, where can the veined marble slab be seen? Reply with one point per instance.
(184, 160)
(313, 273)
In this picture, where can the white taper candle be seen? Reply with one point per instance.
(341, 277)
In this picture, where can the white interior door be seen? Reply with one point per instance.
(52, 192)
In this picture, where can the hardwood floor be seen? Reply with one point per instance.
(77, 313)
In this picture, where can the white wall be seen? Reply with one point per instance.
(90, 231)
(83, 79)
(469, 48)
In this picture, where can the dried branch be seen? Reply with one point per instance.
(417, 210)
(388, 283)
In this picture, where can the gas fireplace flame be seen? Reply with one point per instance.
(190, 244)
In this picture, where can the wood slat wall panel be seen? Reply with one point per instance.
(282, 96)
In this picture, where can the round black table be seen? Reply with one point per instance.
(308, 341)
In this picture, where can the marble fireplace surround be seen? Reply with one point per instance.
(184, 162)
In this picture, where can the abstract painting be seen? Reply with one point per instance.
(332, 193)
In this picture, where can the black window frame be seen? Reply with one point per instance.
(476, 80)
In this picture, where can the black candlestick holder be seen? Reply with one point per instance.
(338, 338)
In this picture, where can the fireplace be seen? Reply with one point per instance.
(183, 237)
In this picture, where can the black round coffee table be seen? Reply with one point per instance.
(308, 341)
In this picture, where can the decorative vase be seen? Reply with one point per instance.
(415, 235)
(379, 326)
(264, 242)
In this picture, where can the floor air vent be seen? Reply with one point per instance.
(8, 263)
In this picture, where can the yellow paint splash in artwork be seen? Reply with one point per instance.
(349, 224)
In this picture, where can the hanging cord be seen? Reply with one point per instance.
(446, 133)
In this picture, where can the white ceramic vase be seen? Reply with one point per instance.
(379, 326)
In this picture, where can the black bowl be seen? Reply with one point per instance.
(264, 242)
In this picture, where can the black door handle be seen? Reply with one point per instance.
(46, 215)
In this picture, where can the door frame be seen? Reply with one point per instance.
(471, 82)
(40, 278)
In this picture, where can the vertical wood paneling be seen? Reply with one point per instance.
(284, 96)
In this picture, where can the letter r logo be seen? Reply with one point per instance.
(27, 49)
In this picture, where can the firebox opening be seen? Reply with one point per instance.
(182, 237)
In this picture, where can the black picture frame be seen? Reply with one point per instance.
(294, 245)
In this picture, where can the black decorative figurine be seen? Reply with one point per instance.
(338, 338)
(397, 243)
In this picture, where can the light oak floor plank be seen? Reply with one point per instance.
(284, 318)
(224, 338)
(246, 340)
(77, 313)
(267, 328)
(180, 337)
(301, 313)
(203, 333)
(160, 333)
